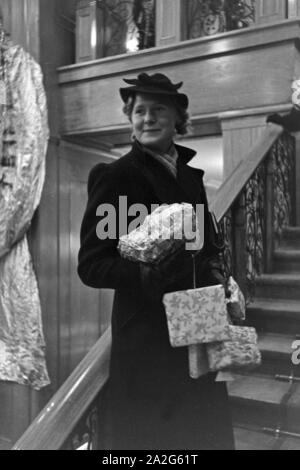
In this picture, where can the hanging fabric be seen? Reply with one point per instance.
(23, 145)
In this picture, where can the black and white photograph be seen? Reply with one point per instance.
(150, 227)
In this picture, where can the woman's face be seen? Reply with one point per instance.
(153, 121)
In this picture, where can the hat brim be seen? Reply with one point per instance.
(180, 98)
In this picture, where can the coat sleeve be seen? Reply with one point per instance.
(99, 262)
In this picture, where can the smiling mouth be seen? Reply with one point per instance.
(151, 130)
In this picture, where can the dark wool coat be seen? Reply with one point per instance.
(152, 401)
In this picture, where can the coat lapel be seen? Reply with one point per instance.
(190, 180)
(185, 188)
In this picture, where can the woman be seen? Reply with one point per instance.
(152, 401)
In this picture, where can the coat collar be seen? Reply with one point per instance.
(187, 186)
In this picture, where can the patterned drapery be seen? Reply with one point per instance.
(23, 146)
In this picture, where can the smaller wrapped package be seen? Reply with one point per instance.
(198, 360)
(197, 316)
(236, 304)
(239, 352)
(163, 232)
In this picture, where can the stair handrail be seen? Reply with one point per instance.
(51, 429)
(55, 423)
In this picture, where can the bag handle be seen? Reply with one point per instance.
(194, 270)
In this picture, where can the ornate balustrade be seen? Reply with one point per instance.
(253, 225)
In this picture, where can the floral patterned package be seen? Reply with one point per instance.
(240, 351)
(296, 93)
(197, 316)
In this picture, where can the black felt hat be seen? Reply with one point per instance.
(156, 84)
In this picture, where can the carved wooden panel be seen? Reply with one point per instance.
(89, 31)
(168, 22)
(293, 8)
(270, 11)
(21, 21)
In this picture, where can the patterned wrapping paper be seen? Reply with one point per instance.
(240, 351)
(236, 304)
(163, 232)
(24, 140)
(197, 316)
(199, 366)
(296, 93)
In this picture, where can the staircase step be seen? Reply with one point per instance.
(290, 443)
(278, 286)
(248, 439)
(291, 237)
(276, 354)
(275, 316)
(255, 400)
(254, 438)
(287, 260)
(5, 444)
(293, 411)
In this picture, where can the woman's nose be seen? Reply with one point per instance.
(149, 116)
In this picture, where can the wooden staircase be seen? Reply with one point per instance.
(263, 398)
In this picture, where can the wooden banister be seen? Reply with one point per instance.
(55, 423)
(233, 185)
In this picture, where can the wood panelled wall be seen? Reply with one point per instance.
(71, 312)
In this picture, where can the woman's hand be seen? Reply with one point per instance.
(220, 279)
(176, 267)
(156, 279)
(290, 122)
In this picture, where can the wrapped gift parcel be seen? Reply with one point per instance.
(239, 352)
(198, 360)
(199, 366)
(197, 316)
(236, 304)
(162, 233)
